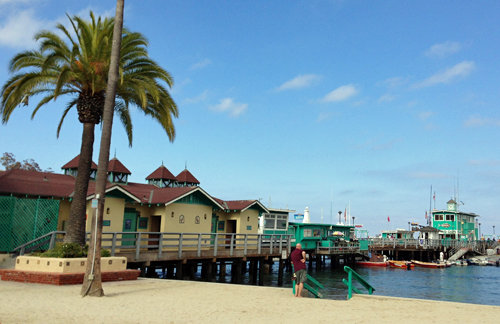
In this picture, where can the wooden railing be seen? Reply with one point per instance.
(163, 242)
(352, 275)
(332, 247)
(476, 245)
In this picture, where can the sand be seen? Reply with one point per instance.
(171, 301)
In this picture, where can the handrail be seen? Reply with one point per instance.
(350, 287)
(338, 247)
(274, 243)
(313, 289)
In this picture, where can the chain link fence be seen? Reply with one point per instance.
(23, 220)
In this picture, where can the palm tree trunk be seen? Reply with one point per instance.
(75, 232)
(92, 284)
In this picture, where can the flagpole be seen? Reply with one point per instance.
(430, 206)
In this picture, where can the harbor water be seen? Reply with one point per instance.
(468, 284)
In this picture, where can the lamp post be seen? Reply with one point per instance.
(409, 227)
(479, 230)
(355, 217)
(493, 231)
(340, 213)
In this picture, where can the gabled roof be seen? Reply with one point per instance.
(33, 183)
(73, 164)
(161, 173)
(242, 205)
(116, 166)
(186, 176)
(451, 201)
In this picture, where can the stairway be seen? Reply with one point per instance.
(458, 254)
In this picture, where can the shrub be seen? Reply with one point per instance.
(68, 250)
(105, 253)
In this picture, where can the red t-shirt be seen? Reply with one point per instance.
(296, 256)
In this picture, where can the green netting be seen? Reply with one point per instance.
(23, 220)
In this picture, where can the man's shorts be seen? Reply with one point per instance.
(301, 276)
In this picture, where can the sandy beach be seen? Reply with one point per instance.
(171, 301)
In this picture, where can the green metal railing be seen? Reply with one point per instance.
(350, 286)
(313, 288)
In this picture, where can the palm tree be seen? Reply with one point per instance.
(78, 68)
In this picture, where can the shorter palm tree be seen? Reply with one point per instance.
(78, 68)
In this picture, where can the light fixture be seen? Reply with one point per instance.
(248, 218)
(172, 214)
(107, 210)
(205, 216)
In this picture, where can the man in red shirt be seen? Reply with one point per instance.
(298, 258)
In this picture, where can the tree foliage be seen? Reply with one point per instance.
(8, 161)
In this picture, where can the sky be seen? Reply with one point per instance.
(330, 105)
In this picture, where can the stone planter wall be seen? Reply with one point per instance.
(70, 265)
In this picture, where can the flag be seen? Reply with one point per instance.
(388, 219)
(345, 215)
(434, 197)
(426, 214)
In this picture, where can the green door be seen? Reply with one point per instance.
(129, 225)
(214, 228)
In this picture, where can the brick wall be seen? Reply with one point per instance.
(59, 279)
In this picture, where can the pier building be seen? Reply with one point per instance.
(453, 224)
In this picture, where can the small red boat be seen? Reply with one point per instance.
(401, 264)
(428, 264)
(371, 264)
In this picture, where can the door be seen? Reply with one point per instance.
(129, 225)
(230, 228)
(214, 228)
(155, 227)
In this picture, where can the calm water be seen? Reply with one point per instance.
(471, 284)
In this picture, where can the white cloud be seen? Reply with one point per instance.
(201, 64)
(386, 98)
(201, 97)
(456, 72)
(341, 93)
(425, 114)
(20, 27)
(394, 82)
(478, 121)
(299, 82)
(228, 105)
(444, 49)
(323, 116)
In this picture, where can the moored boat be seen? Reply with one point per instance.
(371, 264)
(428, 264)
(401, 264)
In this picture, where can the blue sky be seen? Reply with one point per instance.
(301, 103)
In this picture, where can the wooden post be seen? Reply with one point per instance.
(261, 271)
(253, 271)
(280, 273)
(178, 270)
(208, 270)
(143, 270)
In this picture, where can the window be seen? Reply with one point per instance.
(438, 217)
(316, 233)
(450, 217)
(269, 223)
(307, 233)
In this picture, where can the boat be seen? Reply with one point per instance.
(428, 264)
(371, 264)
(401, 264)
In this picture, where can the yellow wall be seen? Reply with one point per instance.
(64, 207)
(189, 211)
(116, 210)
(249, 217)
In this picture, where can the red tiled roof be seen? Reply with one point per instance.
(239, 204)
(73, 164)
(23, 182)
(186, 176)
(116, 166)
(161, 173)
